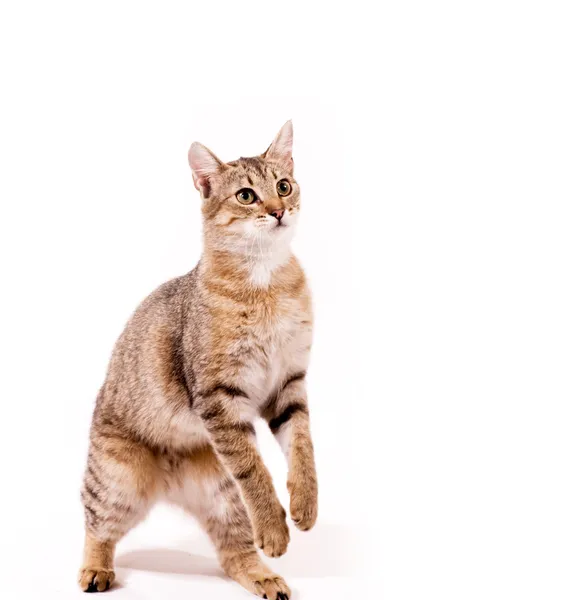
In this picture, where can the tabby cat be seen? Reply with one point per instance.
(200, 359)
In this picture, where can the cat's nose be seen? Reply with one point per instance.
(278, 214)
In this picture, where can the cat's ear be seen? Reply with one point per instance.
(282, 147)
(204, 165)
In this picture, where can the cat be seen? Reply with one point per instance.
(201, 358)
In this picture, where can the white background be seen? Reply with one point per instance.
(436, 145)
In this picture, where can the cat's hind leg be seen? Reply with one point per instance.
(211, 495)
(117, 492)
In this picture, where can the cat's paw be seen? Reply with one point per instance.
(272, 534)
(95, 579)
(271, 587)
(303, 504)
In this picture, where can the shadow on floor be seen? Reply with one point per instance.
(164, 560)
(325, 551)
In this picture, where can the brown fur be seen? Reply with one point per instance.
(201, 358)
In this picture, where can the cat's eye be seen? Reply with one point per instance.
(283, 187)
(246, 196)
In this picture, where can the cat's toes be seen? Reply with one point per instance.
(272, 587)
(95, 579)
(273, 536)
(303, 509)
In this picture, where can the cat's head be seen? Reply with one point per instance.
(251, 203)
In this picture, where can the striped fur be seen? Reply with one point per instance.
(202, 358)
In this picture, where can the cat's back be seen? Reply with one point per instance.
(148, 348)
(145, 396)
(161, 311)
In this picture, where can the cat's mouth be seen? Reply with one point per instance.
(280, 224)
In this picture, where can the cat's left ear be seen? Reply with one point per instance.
(282, 147)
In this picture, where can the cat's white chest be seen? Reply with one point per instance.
(261, 271)
(282, 346)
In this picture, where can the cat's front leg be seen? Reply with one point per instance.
(234, 441)
(288, 419)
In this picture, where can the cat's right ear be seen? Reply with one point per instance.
(204, 165)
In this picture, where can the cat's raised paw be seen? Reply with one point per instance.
(273, 536)
(303, 506)
(95, 580)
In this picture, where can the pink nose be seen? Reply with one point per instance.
(278, 214)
